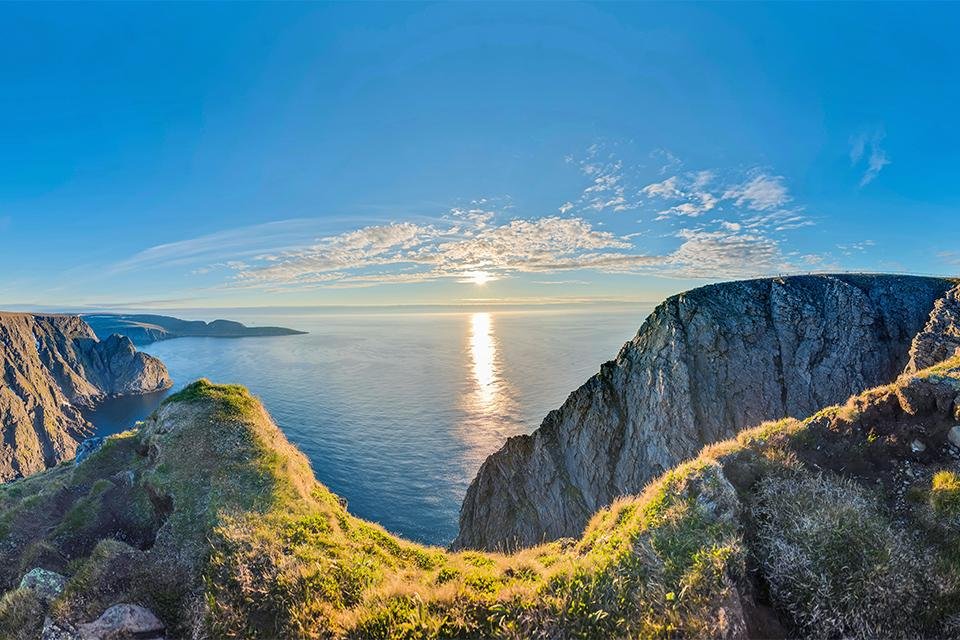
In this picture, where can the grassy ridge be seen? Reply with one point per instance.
(207, 515)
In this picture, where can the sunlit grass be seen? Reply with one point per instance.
(248, 543)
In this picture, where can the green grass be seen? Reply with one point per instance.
(248, 544)
(21, 615)
(945, 493)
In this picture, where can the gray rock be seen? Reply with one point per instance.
(57, 630)
(940, 338)
(123, 622)
(917, 446)
(88, 446)
(704, 365)
(48, 585)
(954, 436)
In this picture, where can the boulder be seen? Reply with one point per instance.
(954, 436)
(123, 622)
(46, 584)
(57, 630)
(87, 447)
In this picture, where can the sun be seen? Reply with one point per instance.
(479, 278)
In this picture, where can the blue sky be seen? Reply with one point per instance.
(298, 154)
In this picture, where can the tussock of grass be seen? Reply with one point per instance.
(945, 494)
(833, 560)
(21, 615)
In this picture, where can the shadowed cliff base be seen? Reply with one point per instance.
(704, 365)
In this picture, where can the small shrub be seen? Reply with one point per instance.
(446, 574)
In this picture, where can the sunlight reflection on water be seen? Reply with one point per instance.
(483, 351)
(397, 412)
(488, 401)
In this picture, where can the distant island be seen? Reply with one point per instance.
(146, 328)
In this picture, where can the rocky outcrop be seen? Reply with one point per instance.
(940, 338)
(52, 366)
(704, 365)
(123, 622)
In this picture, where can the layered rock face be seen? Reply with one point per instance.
(704, 365)
(940, 338)
(51, 367)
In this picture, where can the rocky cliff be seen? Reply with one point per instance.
(704, 365)
(940, 338)
(51, 367)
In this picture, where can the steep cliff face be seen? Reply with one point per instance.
(940, 338)
(51, 367)
(704, 365)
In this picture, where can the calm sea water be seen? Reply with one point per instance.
(397, 411)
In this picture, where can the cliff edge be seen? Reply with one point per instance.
(705, 364)
(52, 366)
(206, 523)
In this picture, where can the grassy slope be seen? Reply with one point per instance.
(207, 515)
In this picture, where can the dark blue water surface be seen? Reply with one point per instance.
(397, 411)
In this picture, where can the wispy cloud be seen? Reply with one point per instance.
(231, 244)
(865, 151)
(690, 192)
(855, 247)
(469, 245)
(607, 190)
(669, 162)
(562, 282)
(728, 252)
(951, 258)
(757, 200)
(749, 213)
(762, 192)
(668, 188)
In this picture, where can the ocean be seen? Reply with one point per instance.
(397, 410)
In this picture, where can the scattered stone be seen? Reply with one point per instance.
(917, 447)
(954, 436)
(58, 631)
(124, 622)
(87, 447)
(46, 584)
